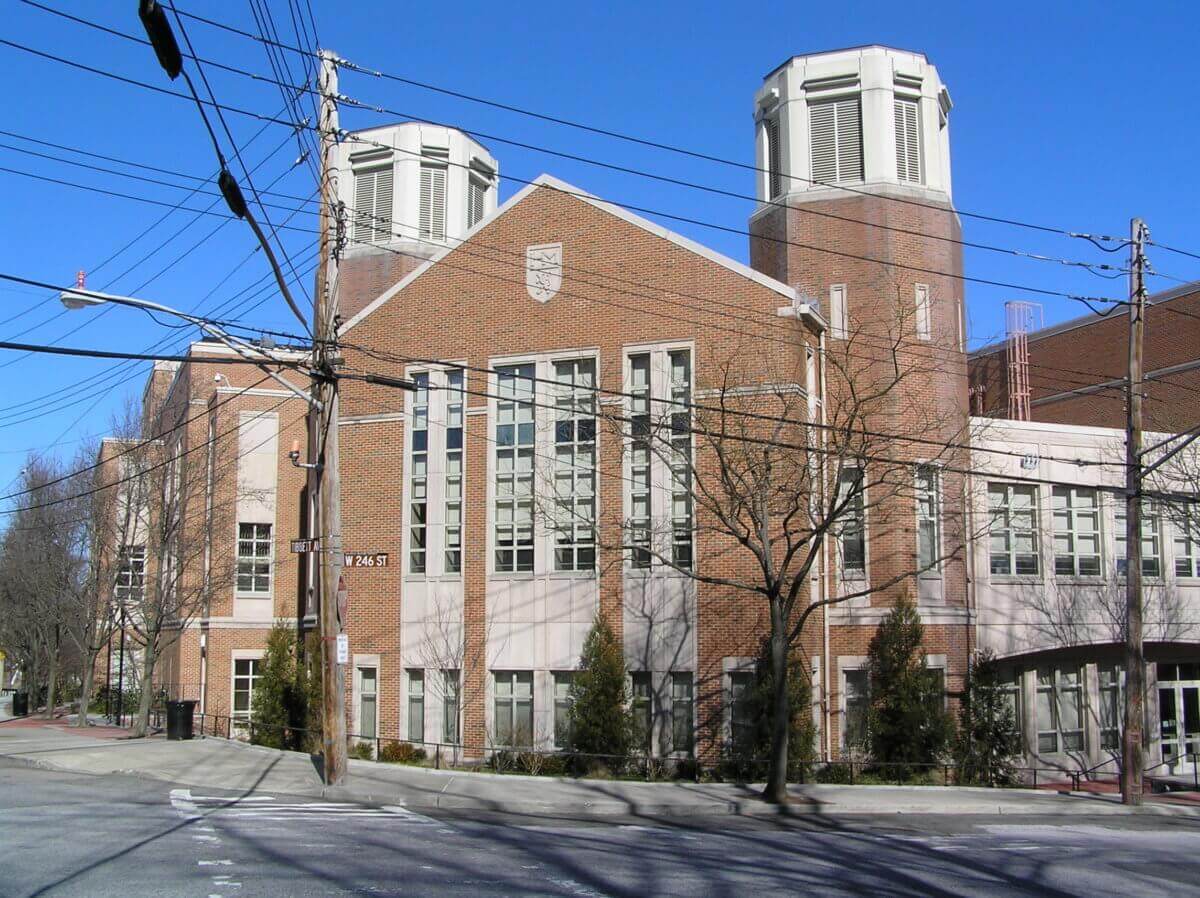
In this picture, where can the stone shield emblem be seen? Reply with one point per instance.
(543, 270)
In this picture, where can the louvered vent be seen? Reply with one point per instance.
(774, 158)
(373, 205)
(433, 202)
(908, 141)
(835, 130)
(475, 195)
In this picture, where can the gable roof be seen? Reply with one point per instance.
(624, 214)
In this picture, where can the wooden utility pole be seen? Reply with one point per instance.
(1132, 761)
(325, 483)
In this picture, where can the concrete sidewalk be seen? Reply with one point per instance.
(217, 764)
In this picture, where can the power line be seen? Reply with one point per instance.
(139, 356)
(1087, 300)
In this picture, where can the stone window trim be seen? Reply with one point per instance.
(440, 397)
(543, 399)
(660, 475)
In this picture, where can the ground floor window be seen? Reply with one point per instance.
(450, 706)
(416, 706)
(642, 707)
(245, 679)
(1059, 709)
(562, 709)
(741, 689)
(514, 707)
(367, 702)
(1112, 687)
(858, 701)
(682, 716)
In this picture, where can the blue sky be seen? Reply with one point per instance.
(1076, 116)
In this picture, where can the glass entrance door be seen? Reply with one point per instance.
(1179, 717)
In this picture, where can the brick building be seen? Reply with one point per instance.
(1077, 368)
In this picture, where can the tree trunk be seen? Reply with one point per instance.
(51, 683)
(86, 682)
(141, 724)
(776, 789)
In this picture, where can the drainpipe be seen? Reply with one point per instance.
(825, 590)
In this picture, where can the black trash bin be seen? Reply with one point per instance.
(20, 704)
(179, 719)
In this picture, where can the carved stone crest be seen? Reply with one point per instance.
(543, 270)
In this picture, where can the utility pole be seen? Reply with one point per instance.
(1135, 658)
(324, 472)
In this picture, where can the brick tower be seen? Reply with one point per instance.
(855, 211)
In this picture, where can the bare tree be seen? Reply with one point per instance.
(769, 484)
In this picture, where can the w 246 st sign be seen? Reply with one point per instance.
(365, 559)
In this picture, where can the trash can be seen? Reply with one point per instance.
(179, 719)
(20, 704)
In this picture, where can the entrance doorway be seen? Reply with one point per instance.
(1179, 716)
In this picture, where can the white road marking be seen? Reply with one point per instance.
(224, 863)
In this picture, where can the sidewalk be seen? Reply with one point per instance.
(215, 763)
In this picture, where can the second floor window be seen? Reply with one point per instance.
(1185, 523)
(575, 465)
(1076, 532)
(515, 439)
(1012, 531)
(1151, 540)
(254, 558)
(418, 480)
(928, 518)
(852, 521)
(130, 587)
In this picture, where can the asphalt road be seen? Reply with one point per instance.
(67, 834)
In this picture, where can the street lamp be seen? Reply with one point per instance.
(79, 298)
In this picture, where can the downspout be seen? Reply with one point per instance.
(825, 590)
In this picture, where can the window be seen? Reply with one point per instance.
(835, 127)
(416, 706)
(373, 205)
(639, 463)
(1185, 524)
(929, 505)
(367, 703)
(1112, 703)
(1076, 515)
(681, 458)
(514, 708)
(562, 709)
(575, 465)
(643, 707)
(432, 213)
(1059, 710)
(774, 157)
(852, 528)
(450, 706)
(254, 558)
(839, 323)
(245, 680)
(924, 321)
(908, 140)
(477, 190)
(452, 546)
(858, 701)
(514, 468)
(741, 725)
(1013, 529)
(682, 727)
(1151, 541)
(1011, 693)
(418, 481)
(130, 585)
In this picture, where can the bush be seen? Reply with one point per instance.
(401, 753)
(988, 737)
(362, 751)
(600, 720)
(907, 722)
(280, 697)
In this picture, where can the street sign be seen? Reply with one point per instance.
(365, 559)
(300, 546)
(343, 649)
(343, 600)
